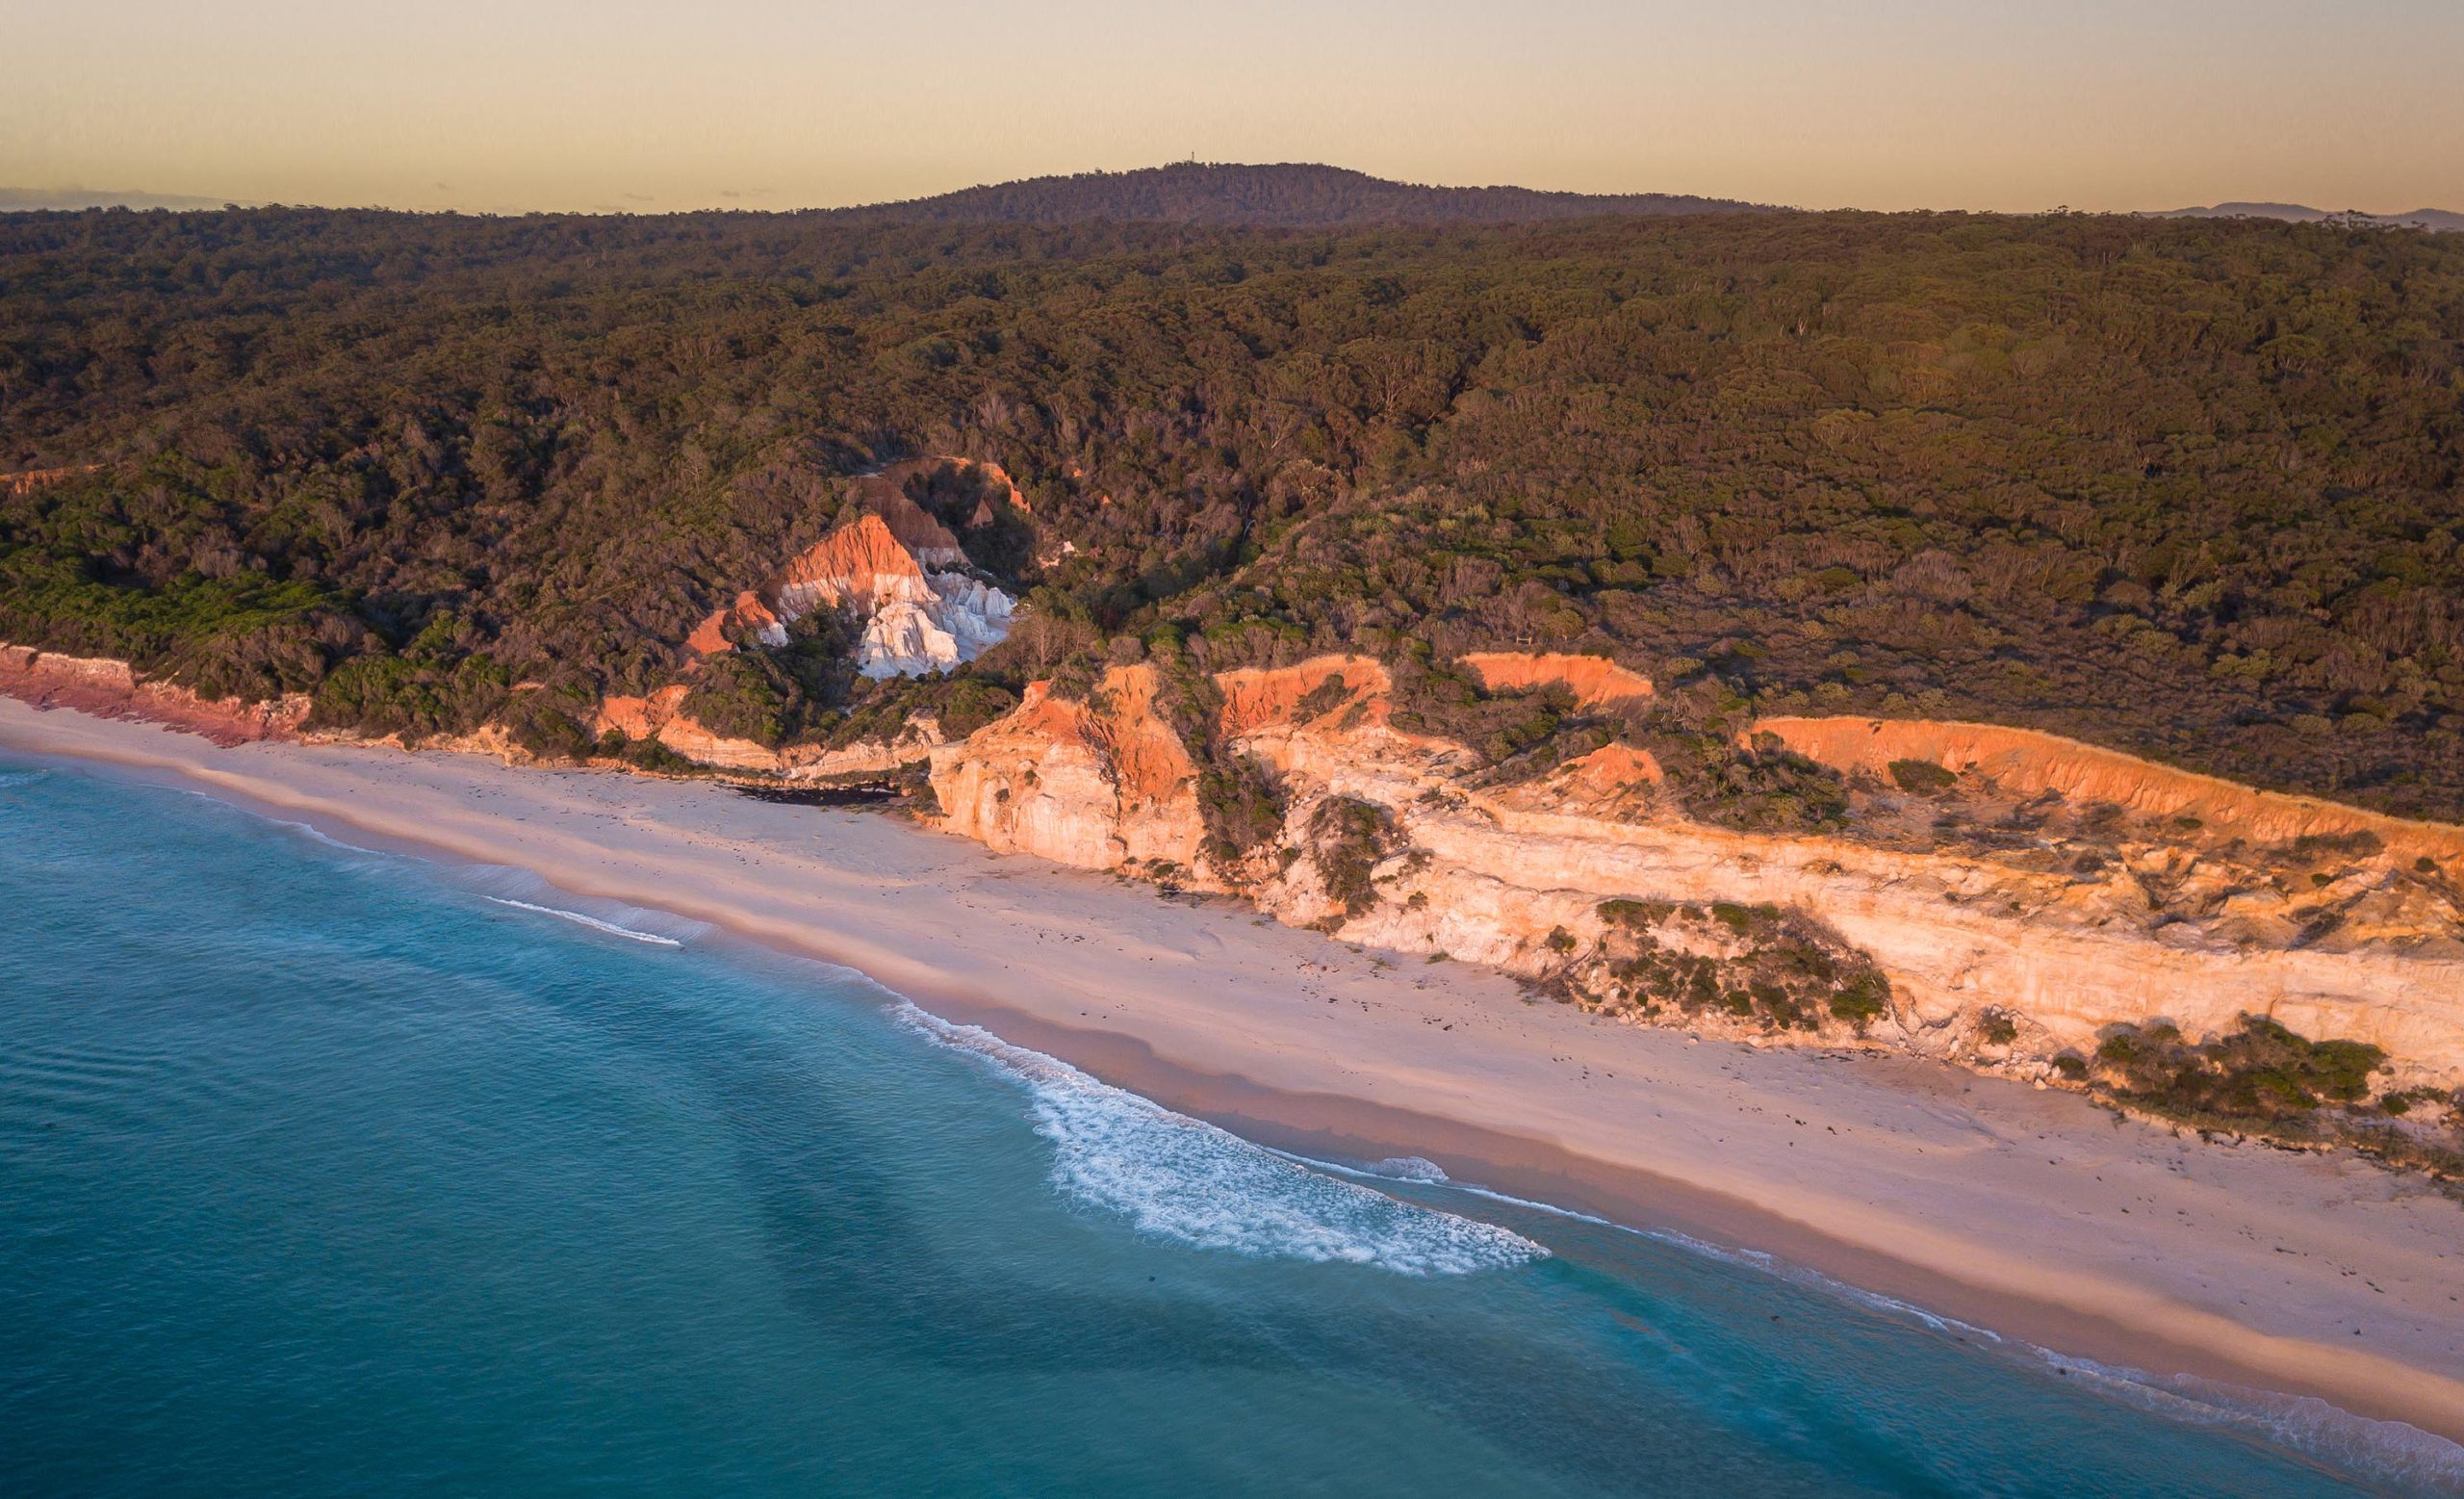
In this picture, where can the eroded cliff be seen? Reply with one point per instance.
(661, 718)
(2111, 893)
(110, 688)
(1099, 784)
(1996, 897)
(2028, 763)
(899, 571)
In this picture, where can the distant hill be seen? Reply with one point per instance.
(1286, 195)
(2437, 219)
(18, 200)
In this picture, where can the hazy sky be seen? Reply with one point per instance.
(560, 104)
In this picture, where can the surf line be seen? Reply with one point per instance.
(1171, 1177)
(610, 927)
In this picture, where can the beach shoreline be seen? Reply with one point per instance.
(1973, 1197)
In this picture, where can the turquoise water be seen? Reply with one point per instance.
(324, 1172)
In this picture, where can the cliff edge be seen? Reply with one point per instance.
(2051, 896)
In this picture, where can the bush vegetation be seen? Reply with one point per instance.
(1348, 839)
(1777, 968)
(2262, 1072)
(2188, 488)
(2264, 1079)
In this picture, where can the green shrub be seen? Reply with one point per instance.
(1637, 914)
(1350, 838)
(1921, 777)
(333, 426)
(1862, 1001)
(738, 696)
(1242, 804)
(653, 756)
(2262, 1072)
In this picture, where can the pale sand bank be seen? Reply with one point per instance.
(2031, 1213)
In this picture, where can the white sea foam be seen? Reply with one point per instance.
(522, 890)
(307, 829)
(2387, 1451)
(326, 839)
(1414, 1170)
(591, 922)
(1417, 1171)
(1182, 1179)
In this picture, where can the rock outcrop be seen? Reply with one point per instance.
(897, 568)
(660, 717)
(1595, 681)
(1260, 698)
(1591, 879)
(25, 481)
(914, 621)
(958, 619)
(2027, 762)
(1096, 785)
(110, 688)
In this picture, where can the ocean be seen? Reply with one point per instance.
(326, 1170)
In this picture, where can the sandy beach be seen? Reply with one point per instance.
(2032, 1213)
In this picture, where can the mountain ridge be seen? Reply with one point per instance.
(2439, 220)
(1285, 195)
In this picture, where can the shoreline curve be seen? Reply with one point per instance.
(1439, 1102)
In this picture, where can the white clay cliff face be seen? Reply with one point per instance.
(916, 624)
(910, 620)
(958, 620)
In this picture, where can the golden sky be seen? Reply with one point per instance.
(509, 105)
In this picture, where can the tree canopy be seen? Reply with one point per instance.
(2187, 488)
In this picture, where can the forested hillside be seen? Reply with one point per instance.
(2186, 488)
(1286, 195)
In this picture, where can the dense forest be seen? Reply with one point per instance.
(2194, 489)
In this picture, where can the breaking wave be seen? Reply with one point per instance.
(591, 922)
(321, 837)
(505, 885)
(1177, 1177)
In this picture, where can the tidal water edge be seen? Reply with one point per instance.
(335, 1171)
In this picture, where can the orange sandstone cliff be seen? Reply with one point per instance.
(109, 689)
(1595, 681)
(2186, 912)
(1097, 785)
(895, 567)
(2112, 891)
(2029, 761)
